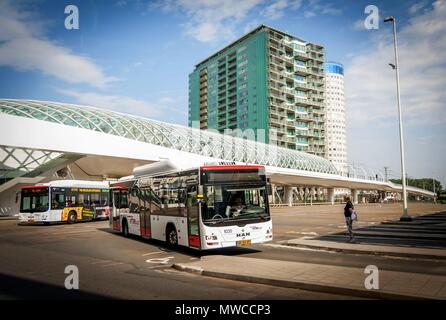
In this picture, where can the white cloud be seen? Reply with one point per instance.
(417, 6)
(275, 10)
(221, 20)
(314, 7)
(309, 14)
(295, 4)
(22, 46)
(113, 102)
(359, 25)
(210, 20)
(370, 82)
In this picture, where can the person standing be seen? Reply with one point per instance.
(348, 211)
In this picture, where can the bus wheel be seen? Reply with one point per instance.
(125, 228)
(171, 236)
(72, 217)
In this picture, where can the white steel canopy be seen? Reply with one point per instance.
(172, 136)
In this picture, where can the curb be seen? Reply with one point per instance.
(368, 252)
(8, 218)
(303, 285)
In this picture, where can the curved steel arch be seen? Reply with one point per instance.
(173, 136)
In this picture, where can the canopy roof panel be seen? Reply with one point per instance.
(168, 135)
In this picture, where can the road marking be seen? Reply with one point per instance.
(100, 262)
(79, 231)
(295, 247)
(150, 253)
(309, 233)
(160, 260)
(112, 264)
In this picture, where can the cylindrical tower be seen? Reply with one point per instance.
(335, 130)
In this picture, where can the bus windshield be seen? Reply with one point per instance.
(226, 202)
(34, 200)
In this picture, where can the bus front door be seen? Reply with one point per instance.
(192, 217)
(146, 230)
(114, 216)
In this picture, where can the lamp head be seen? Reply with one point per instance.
(389, 19)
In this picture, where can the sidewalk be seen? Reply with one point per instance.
(358, 248)
(316, 277)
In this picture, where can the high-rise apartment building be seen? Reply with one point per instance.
(335, 127)
(267, 79)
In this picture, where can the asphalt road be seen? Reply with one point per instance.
(33, 260)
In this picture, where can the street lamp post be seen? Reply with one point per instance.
(405, 216)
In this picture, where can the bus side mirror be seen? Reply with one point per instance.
(269, 189)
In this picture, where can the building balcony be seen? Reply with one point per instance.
(300, 55)
(301, 70)
(278, 96)
(302, 101)
(302, 86)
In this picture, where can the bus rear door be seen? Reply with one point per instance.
(193, 217)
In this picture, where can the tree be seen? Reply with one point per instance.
(422, 183)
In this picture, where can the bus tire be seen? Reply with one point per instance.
(125, 228)
(72, 217)
(171, 236)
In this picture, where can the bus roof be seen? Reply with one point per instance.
(231, 167)
(71, 184)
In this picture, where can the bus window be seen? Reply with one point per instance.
(134, 200)
(80, 199)
(57, 200)
(104, 199)
(122, 200)
(95, 199)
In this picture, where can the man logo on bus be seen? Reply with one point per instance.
(243, 234)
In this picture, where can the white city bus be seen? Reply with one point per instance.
(65, 201)
(209, 207)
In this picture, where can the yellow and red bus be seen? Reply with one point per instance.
(65, 201)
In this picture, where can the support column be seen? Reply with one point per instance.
(288, 195)
(302, 194)
(355, 196)
(330, 195)
(273, 193)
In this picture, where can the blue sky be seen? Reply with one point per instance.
(135, 57)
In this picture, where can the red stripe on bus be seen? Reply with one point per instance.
(194, 241)
(34, 187)
(231, 167)
(146, 232)
(116, 226)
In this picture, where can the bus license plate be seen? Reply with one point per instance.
(244, 242)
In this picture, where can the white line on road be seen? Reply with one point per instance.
(150, 253)
(112, 264)
(309, 233)
(71, 232)
(100, 262)
(159, 260)
(294, 247)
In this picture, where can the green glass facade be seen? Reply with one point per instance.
(266, 80)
